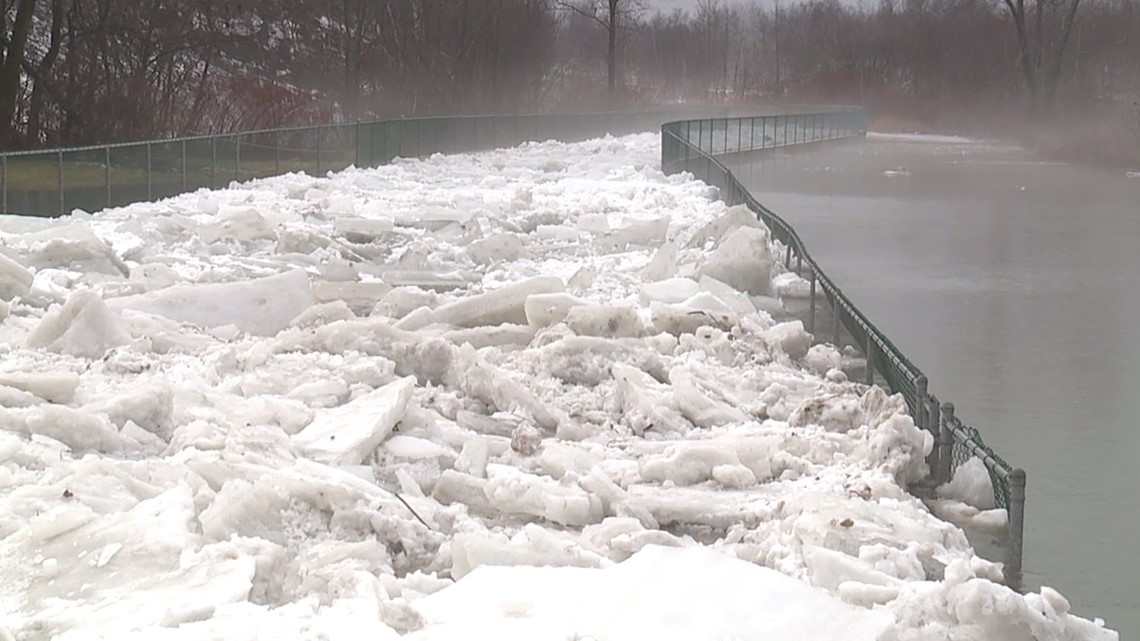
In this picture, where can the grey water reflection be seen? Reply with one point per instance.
(1013, 284)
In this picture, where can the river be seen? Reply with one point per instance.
(1012, 283)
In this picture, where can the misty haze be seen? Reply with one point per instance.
(682, 320)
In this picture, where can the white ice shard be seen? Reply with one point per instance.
(262, 306)
(83, 326)
(348, 434)
(15, 279)
(743, 260)
(672, 290)
(543, 310)
(506, 304)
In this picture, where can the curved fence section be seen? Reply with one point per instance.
(57, 181)
(693, 145)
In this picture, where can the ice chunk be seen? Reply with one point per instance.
(149, 406)
(348, 434)
(668, 594)
(411, 447)
(503, 335)
(497, 248)
(361, 297)
(484, 381)
(737, 301)
(611, 321)
(503, 305)
(742, 260)
(833, 412)
(559, 458)
(673, 290)
(734, 218)
(971, 485)
(702, 402)
(262, 307)
(790, 337)
(647, 404)
(243, 224)
(402, 300)
(822, 359)
(513, 491)
(53, 387)
(543, 310)
(83, 326)
(77, 429)
(15, 280)
(533, 546)
(686, 319)
(663, 265)
(323, 314)
(70, 245)
(641, 232)
(593, 223)
(362, 230)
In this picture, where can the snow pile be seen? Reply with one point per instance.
(375, 403)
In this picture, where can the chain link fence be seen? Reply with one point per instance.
(55, 182)
(693, 145)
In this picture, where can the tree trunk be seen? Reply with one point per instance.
(611, 59)
(10, 71)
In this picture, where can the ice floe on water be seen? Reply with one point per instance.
(538, 393)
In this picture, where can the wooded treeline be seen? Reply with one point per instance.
(87, 71)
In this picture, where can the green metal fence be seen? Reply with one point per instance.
(55, 182)
(693, 145)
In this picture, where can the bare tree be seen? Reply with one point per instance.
(1043, 28)
(616, 17)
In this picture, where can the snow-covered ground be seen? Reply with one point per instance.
(527, 394)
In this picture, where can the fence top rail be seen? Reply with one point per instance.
(334, 125)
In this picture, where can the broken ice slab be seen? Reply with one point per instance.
(501, 336)
(348, 434)
(644, 232)
(432, 218)
(53, 387)
(610, 321)
(360, 297)
(672, 290)
(507, 490)
(543, 310)
(503, 305)
(83, 327)
(262, 307)
(738, 301)
(497, 247)
(742, 260)
(15, 279)
(428, 280)
(362, 230)
(71, 245)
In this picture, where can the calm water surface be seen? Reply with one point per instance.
(1013, 284)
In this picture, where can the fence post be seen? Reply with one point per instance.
(799, 264)
(870, 354)
(811, 309)
(945, 444)
(788, 256)
(4, 179)
(149, 181)
(213, 162)
(183, 165)
(934, 418)
(107, 172)
(60, 176)
(237, 157)
(921, 396)
(1016, 525)
(319, 149)
(835, 310)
